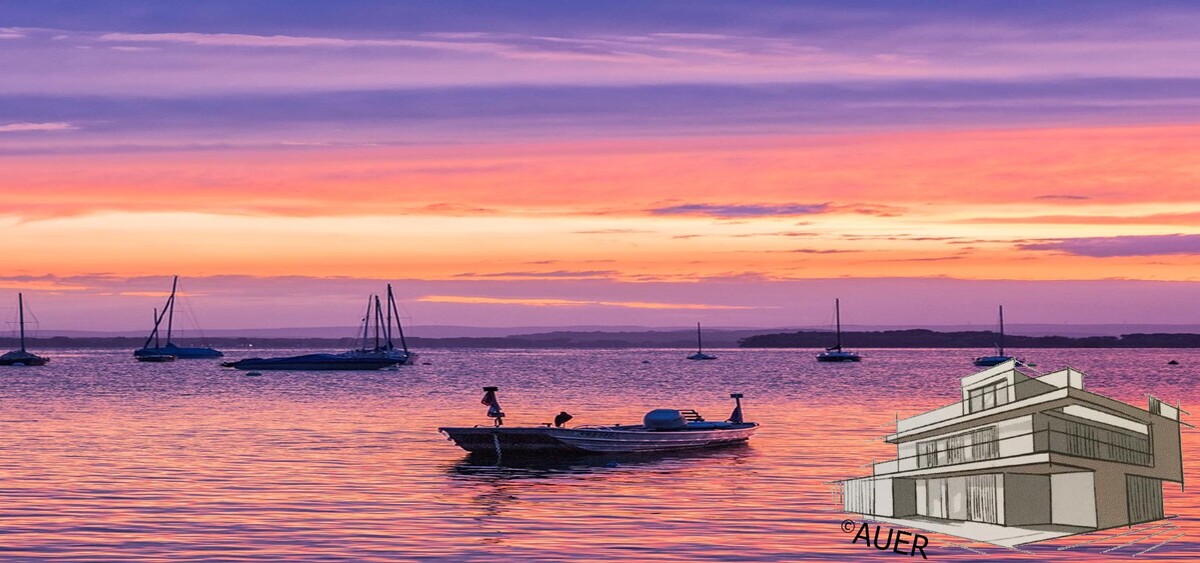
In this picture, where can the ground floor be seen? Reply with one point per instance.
(1060, 503)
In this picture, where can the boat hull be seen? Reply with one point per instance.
(542, 440)
(179, 352)
(701, 356)
(156, 359)
(989, 361)
(24, 360)
(839, 357)
(313, 362)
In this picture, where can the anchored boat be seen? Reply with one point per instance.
(700, 355)
(170, 349)
(385, 347)
(661, 430)
(383, 354)
(835, 353)
(21, 357)
(1000, 357)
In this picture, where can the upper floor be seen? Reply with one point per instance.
(1007, 417)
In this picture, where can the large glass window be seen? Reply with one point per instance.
(975, 445)
(988, 396)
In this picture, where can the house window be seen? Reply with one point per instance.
(975, 445)
(988, 396)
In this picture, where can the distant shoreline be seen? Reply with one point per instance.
(910, 338)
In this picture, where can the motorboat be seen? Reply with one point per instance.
(700, 355)
(999, 357)
(835, 353)
(170, 349)
(661, 430)
(313, 362)
(22, 357)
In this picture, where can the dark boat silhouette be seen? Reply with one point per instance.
(21, 357)
(382, 354)
(999, 357)
(700, 355)
(170, 349)
(835, 353)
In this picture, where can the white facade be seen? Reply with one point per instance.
(1024, 451)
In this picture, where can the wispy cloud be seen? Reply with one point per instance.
(1133, 245)
(743, 211)
(1192, 218)
(551, 302)
(557, 274)
(23, 127)
(1061, 197)
(736, 211)
(286, 41)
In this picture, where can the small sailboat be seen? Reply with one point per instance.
(661, 430)
(22, 357)
(384, 344)
(700, 355)
(381, 355)
(170, 349)
(1000, 357)
(835, 353)
(155, 358)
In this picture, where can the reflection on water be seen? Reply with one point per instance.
(105, 458)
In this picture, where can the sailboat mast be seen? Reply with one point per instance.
(837, 316)
(399, 326)
(21, 318)
(367, 322)
(378, 321)
(155, 332)
(171, 308)
(387, 329)
(1001, 330)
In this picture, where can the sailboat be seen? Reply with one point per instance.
(157, 351)
(384, 344)
(700, 355)
(21, 357)
(835, 353)
(383, 354)
(1000, 357)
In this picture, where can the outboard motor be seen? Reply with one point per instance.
(664, 419)
(562, 419)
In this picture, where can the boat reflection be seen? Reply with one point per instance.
(477, 466)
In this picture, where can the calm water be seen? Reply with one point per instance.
(104, 458)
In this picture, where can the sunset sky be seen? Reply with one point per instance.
(611, 163)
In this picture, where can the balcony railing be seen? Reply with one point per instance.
(1092, 443)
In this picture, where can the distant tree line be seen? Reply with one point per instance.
(913, 338)
(924, 338)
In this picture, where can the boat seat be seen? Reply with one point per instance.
(691, 415)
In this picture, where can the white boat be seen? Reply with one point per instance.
(661, 430)
(700, 355)
(835, 353)
(21, 357)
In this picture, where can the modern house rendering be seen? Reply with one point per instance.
(1024, 458)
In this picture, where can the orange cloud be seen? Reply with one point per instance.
(874, 174)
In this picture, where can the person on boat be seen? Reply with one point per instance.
(493, 405)
(562, 419)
